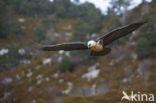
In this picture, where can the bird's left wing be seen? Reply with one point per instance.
(65, 46)
(120, 32)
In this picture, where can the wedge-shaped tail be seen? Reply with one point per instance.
(101, 53)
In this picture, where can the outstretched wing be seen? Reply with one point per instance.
(120, 32)
(65, 46)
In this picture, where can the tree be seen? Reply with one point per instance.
(142, 48)
(40, 33)
(65, 9)
(31, 7)
(147, 40)
(143, 1)
(81, 30)
(10, 60)
(90, 15)
(65, 65)
(44, 26)
(120, 6)
(3, 20)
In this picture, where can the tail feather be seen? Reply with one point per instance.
(102, 53)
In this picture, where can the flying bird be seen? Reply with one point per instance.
(97, 47)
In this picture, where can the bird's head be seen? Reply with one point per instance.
(91, 43)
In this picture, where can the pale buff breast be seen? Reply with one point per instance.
(97, 48)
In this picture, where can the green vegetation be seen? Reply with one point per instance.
(65, 65)
(8, 23)
(80, 30)
(11, 60)
(145, 47)
(28, 75)
(44, 26)
(3, 20)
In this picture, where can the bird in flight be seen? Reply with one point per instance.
(97, 47)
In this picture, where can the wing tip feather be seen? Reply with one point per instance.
(43, 48)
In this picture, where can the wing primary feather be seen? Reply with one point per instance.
(65, 46)
(120, 32)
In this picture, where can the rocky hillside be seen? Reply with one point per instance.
(29, 75)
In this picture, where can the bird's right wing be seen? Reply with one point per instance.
(65, 46)
(120, 32)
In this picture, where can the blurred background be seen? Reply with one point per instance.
(28, 75)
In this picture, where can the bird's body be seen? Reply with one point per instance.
(95, 46)
(98, 46)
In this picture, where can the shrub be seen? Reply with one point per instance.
(11, 59)
(142, 48)
(81, 29)
(3, 21)
(147, 40)
(44, 26)
(16, 27)
(65, 65)
(40, 33)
